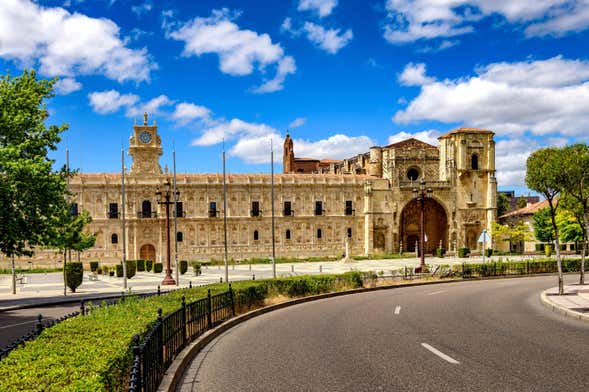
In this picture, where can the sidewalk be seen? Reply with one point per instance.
(574, 303)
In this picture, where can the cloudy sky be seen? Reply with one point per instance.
(341, 75)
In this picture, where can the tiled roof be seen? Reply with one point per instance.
(527, 210)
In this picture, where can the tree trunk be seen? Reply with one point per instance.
(586, 219)
(64, 279)
(557, 246)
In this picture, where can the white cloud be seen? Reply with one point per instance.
(414, 75)
(110, 101)
(330, 40)
(142, 8)
(186, 112)
(153, 106)
(543, 97)
(338, 146)
(430, 136)
(412, 20)
(66, 44)
(66, 86)
(297, 122)
(256, 149)
(321, 7)
(240, 51)
(233, 129)
(510, 160)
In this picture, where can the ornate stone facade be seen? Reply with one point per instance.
(367, 198)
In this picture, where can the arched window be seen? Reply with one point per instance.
(179, 237)
(288, 234)
(256, 235)
(319, 233)
(114, 238)
(349, 232)
(146, 209)
(413, 174)
(474, 162)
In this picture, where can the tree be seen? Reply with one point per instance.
(503, 204)
(544, 172)
(522, 202)
(575, 183)
(543, 229)
(516, 233)
(31, 192)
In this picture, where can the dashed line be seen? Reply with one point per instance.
(397, 310)
(437, 292)
(440, 354)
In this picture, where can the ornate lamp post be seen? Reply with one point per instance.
(420, 194)
(164, 198)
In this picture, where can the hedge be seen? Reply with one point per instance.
(131, 269)
(141, 265)
(183, 266)
(516, 267)
(148, 265)
(74, 275)
(93, 352)
(158, 268)
(93, 266)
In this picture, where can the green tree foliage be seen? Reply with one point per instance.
(543, 229)
(503, 204)
(31, 192)
(74, 273)
(71, 235)
(517, 233)
(544, 174)
(522, 202)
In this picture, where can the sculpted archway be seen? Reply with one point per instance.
(436, 225)
(147, 252)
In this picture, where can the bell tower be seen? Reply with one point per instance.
(145, 148)
(288, 165)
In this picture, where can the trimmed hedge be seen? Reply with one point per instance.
(93, 266)
(93, 352)
(183, 266)
(141, 265)
(516, 267)
(131, 269)
(463, 252)
(196, 267)
(158, 268)
(148, 265)
(74, 275)
(440, 252)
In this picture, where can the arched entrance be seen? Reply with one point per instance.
(147, 252)
(436, 225)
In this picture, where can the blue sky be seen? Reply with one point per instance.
(342, 75)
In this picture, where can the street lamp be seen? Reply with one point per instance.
(420, 194)
(166, 196)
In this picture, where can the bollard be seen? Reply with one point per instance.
(122, 296)
(82, 308)
(292, 268)
(221, 279)
(158, 290)
(320, 269)
(253, 276)
(39, 324)
(190, 284)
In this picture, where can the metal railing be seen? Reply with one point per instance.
(172, 333)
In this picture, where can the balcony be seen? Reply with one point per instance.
(147, 214)
(113, 215)
(213, 213)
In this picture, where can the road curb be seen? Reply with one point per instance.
(181, 362)
(561, 309)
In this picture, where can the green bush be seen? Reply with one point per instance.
(183, 266)
(99, 271)
(463, 252)
(148, 265)
(119, 268)
(489, 252)
(141, 265)
(74, 274)
(131, 268)
(158, 268)
(547, 250)
(196, 268)
(93, 266)
(112, 273)
(440, 252)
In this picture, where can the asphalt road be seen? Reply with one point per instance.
(468, 336)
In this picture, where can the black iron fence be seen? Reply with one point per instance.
(172, 333)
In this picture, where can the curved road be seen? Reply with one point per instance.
(468, 336)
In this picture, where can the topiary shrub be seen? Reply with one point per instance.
(463, 252)
(489, 252)
(99, 271)
(440, 252)
(196, 267)
(74, 274)
(183, 266)
(119, 270)
(148, 265)
(158, 268)
(93, 266)
(141, 265)
(112, 273)
(131, 268)
(548, 250)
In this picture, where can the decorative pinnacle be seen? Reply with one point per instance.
(144, 118)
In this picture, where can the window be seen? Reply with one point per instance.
(319, 233)
(146, 209)
(213, 209)
(349, 210)
(256, 235)
(287, 235)
(179, 210)
(256, 208)
(413, 174)
(474, 162)
(288, 208)
(74, 209)
(113, 211)
(179, 237)
(349, 232)
(114, 238)
(318, 208)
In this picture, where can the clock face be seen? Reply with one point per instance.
(145, 137)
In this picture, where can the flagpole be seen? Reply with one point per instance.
(175, 221)
(225, 216)
(272, 196)
(67, 166)
(123, 218)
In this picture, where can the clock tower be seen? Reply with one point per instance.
(145, 147)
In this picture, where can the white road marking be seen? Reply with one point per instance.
(14, 325)
(397, 310)
(440, 354)
(437, 292)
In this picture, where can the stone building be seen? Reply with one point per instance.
(367, 198)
